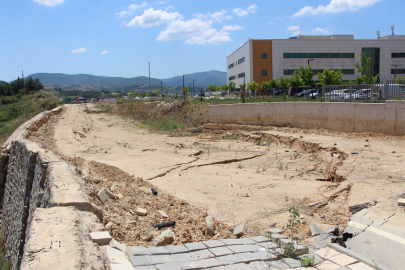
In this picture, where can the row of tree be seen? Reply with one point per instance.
(21, 86)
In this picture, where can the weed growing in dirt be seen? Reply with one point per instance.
(308, 261)
(293, 222)
(280, 165)
(240, 166)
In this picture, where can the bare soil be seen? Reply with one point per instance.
(237, 174)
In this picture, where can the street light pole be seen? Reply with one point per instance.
(309, 61)
(193, 86)
(395, 75)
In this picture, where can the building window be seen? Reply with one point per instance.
(264, 55)
(316, 71)
(399, 71)
(232, 78)
(241, 75)
(318, 55)
(240, 61)
(264, 72)
(230, 66)
(398, 55)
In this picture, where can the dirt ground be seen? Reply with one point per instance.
(237, 174)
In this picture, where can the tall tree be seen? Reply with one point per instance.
(252, 86)
(331, 77)
(242, 87)
(266, 86)
(232, 86)
(296, 80)
(284, 83)
(306, 75)
(364, 70)
(212, 88)
(185, 90)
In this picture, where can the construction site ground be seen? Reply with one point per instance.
(237, 174)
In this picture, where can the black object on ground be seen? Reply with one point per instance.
(357, 208)
(154, 192)
(342, 240)
(166, 224)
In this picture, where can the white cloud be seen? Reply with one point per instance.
(241, 12)
(151, 17)
(130, 10)
(295, 28)
(49, 3)
(169, 8)
(218, 15)
(231, 27)
(103, 52)
(335, 6)
(80, 50)
(320, 31)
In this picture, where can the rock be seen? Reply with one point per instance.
(117, 245)
(113, 187)
(141, 212)
(101, 238)
(109, 194)
(131, 222)
(161, 214)
(102, 196)
(315, 230)
(240, 230)
(108, 226)
(120, 196)
(401, 202)
(146, 237)
(314, 204)
(209, 226)
(165, 238)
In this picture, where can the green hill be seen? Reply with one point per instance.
(202, 79)
(3, 83)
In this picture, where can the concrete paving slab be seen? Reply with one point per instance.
(158, 250)
(191, 265)
(101, 238)
(315, 230)
(230, 242)
(268, 245)
(220, 251)
(201, 264)
(182, 257)
(149, 267)
(275, 237)
(317, 259)
(255, 256)
(244, 248)
(260, 239)
(247, 241)
(161, 259)
(229, 259)
(214, 243)
(239, 266)
(140, 260)
(278, 265)
(343, 268)
(195, 246)
(177, 249)
(219, 268)
(117, 245)
(201, 254)
(168, 266)
(274, 230)
(137, 251)
(284, 241)
(240, 230)
(343, 260)
(259, 266)
(328, 265)
(360, 266)
(293, 263)
(327, 253)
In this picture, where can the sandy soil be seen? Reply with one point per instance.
(237, 174)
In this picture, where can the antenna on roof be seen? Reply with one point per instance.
(392, 29)
(378, 33)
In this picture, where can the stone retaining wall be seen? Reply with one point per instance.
(388, 117)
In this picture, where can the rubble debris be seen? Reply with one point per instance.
(165, 238)
(109, 194)
(108, 226)
(401, 202)
(342, 239)
(209, 226)
(240, 230)
(161, 214)
(141, 212)
(102, 195)
(314, 204)
(154, 192)
(166, 224)
(357, 208)
(101, 238)
(117, 245)
(315, 230)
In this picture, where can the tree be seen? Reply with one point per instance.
(306, 75)
(365, 71)
(252, 86)
(265, 86)
(212, 88)
(284, 83)
(242, 87)
(185, 90)
(157, 92)
(296, 80)
(331, 77)
(397, 80)
(225, 87)
(274, 83)
(232, 86)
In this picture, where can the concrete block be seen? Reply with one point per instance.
(117, 245)
(230, 242)
(229, 259)
(255, 256)
(161, 214)
(158, 250)
(293, 263)
(168, 266)
(239, 266)
(284, 241)
(110, 252)
(149, 267)
(101, 238)
(247, 241)
(201, 254)
(360, 266)
(240, 230)
(165, 238)
(244, 248)
(140, 260)
(259, 266)
(195, 246)
(343, 260)
(328, 265)
(401, 202)
(109, 194)
(161, 259)
(275, 237)
(260, 239)
(137, 251)
(182, 257)
(177, 249)
(275, 230)
(315, 230)
(327, 253)
(141, 212)
(102, 196)
(209, 226)
(268, 245)
(220, 251)
(214, 243)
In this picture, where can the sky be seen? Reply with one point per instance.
(118, 37)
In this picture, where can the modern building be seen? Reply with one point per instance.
(262, 60)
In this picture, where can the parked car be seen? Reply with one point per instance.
(303, 93)
(365, 94)
(355, 94)
(335, 94)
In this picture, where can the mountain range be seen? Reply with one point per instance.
(202, 79)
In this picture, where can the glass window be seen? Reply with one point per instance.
(318, 55)
(316, 71)
(230, 66)
(399, 71)
(264, 72)
(264, 55)
(241, 75)
(232, 78)
(398, 55)
(240, 61)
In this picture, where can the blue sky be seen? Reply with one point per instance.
(115, 37)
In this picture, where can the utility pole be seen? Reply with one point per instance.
(161, 86)
(101, 85)
(149, 73)
(193, 86)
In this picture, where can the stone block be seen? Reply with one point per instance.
(260, 239)
(284, 241)
(195, 246)
(102, 196)
(141, 212)
(259, 266)
(268, 245)
(158, 250)
(247, 241)
(161, 214)
(229, 259)
(315, 230)
(327, 253)
(161, 259)
(240, 230)
(137, 251)
(109, 194)
(117, 245)
(274, 230)
(168, 266)
(244, 248)
(165, 238)
(149, 267)
(209, 226)
(182, 257)
(230, 242)
(401, 202)
(239, 266)
(343, 260)
(255, 256)
(101, 238)
(177, 249)
(110, 252)
(293, 263)
(201, 254)
(140, 260)
(220, 251)
(275, 237)
(328, 265)
(214, 243)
